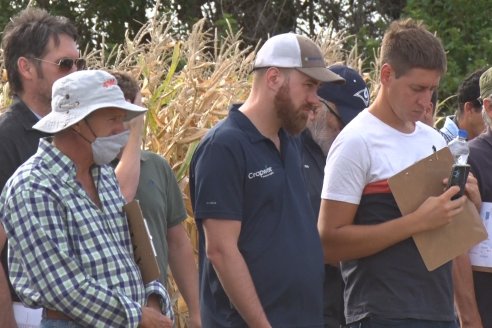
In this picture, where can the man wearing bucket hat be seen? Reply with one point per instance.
(339, 105)
(38, 49)
(260, 260)
(70, 251)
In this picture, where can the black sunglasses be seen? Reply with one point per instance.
(332, 111)
(66, 64)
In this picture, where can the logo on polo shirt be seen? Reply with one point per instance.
(261, 173)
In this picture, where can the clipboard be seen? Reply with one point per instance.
(143, 249)
(412, 186)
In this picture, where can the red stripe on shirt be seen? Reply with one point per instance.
(377, 187)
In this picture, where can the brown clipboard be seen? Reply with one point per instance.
(412, 186)
(143, 250)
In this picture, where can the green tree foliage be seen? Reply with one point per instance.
(465, 29)
(466, 39)
(367, 20)
(257, 19)
(95, 19)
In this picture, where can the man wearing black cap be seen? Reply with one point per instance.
(339, 105)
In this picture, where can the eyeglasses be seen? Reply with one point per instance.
(332, 111)
(66, 64)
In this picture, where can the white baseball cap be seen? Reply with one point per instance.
(80, 93)
(291, 50)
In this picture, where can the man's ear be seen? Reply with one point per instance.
(468, 108)
(274, 78)
(26, 68)
(487, 107)
(386, 71)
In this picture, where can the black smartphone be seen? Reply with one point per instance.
(457, 177)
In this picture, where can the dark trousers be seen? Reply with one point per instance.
(483, 290)
(333, 298)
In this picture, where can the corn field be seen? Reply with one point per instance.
(187, 85)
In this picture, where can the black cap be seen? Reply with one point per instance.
(350, 98)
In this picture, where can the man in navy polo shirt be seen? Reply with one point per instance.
(260, 256)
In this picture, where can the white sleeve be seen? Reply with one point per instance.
(347, 167)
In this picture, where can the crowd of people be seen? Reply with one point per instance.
(297, 224)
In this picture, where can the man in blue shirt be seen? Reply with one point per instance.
(260, 258)
(469, 114)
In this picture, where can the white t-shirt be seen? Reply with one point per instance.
(368, 150)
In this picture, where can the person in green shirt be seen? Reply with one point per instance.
(162, 206)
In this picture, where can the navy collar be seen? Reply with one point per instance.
(248, 127)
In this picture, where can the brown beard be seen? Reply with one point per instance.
(293, 120)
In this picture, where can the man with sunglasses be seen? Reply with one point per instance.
(38, 49)
(340, 103)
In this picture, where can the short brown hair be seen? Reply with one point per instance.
(127, 84)
(408, 44)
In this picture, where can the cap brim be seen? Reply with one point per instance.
(133, 111)
(57, 121)
(322, 74)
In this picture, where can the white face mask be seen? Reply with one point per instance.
(105, 149)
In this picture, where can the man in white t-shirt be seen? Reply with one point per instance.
(387, 283)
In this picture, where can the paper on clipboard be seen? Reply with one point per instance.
(481, 254)
(143, 249)
(415, 184)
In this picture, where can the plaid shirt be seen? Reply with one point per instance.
(65, 252)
